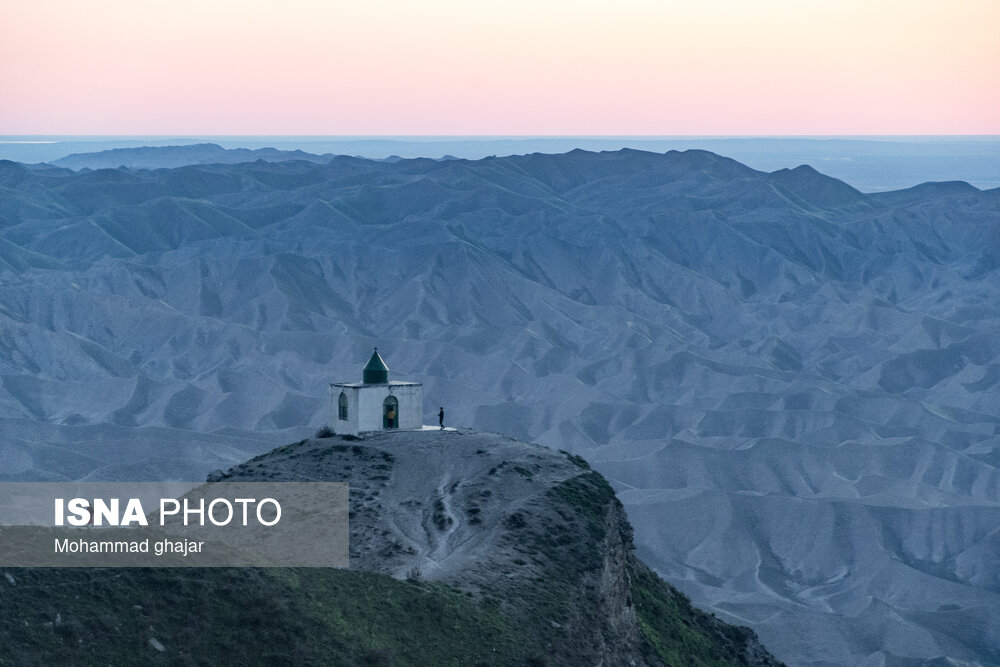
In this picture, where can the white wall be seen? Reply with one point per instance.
(351, 425)
(364, 407)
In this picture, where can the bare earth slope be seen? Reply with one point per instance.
(532, 529)
(793, 386)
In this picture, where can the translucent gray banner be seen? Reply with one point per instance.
(174, 524)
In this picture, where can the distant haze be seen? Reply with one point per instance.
(871, 164)
(451, 67)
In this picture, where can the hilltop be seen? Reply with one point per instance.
(466, 548)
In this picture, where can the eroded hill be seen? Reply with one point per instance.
(500, 553)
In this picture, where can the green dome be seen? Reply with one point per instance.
(376, 372)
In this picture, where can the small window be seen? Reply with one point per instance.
(342, 407)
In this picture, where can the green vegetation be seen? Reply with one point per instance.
(245, 617)
(575, 459)
(573, 552)
(559, 586)
(676, 632)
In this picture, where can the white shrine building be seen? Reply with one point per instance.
(375, 403)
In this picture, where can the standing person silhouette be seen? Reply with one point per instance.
(441, 417)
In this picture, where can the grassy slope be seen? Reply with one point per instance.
(341, 617)
(295, 617)
(245, 616)
(675, 633)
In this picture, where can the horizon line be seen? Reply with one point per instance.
(26, 136)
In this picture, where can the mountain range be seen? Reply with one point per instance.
(871, 163)
(156, 157)
(791, 385)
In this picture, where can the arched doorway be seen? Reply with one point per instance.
(342, 407)
(390, 413)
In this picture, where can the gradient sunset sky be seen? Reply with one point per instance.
(443, 67)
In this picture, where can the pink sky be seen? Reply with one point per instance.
(567, 67)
